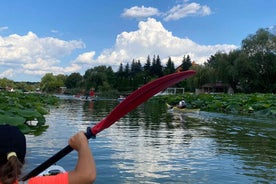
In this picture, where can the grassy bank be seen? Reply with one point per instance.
(258, 105)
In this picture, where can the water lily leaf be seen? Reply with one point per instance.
(264, 113)
(273, 111)
(12, 120)
(27, 113)
(267, 105)
(39, 130)
(42, 110)
(24, 128)
(41, 120)
(2, 111)
(258, 106)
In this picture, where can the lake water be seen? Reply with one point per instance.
(151, 145)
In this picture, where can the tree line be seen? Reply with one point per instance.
(249, 69)
(10, 85)
(102, 78)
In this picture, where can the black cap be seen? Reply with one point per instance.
(11, 140)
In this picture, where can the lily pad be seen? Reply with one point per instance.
(12, 120)
(18, 108)
(27, 113)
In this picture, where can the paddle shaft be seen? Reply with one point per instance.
(66, 150)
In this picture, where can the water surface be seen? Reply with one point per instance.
(152, 145)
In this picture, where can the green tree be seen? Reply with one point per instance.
(111, 79)
(49, 83)
(120, 82)
(74, 80)
(27, 86)
(203, 75)
(261, 51)
(186, 63)
(245, 74)
(61, 78)
(135, 67)
(147, 66)
(127, 70)
(156, 67)
(98, 78)
(169, 68)
(4, 82)
(120, 72)
(262, 42)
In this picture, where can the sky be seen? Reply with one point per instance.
(67, 36)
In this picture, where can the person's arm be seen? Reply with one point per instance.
(85, 170)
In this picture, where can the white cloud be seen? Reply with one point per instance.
(272, 29)
(184, 10)
(3, 28)
(85, 58)
(177, 12)
(7, 74)
(140, 12)
(151, 39)
(54, 31)
(33, 55)
(51, 69)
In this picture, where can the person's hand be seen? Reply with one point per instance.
(78, 141)
(85, 170)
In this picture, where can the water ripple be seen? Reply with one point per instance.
(152, 146)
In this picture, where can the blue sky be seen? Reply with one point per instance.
(66, 36)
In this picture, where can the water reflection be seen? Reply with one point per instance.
(150, 145)
(252, 141)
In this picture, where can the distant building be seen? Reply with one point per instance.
(217, 87)
(171, 91)
(62, 90)
(10, 89)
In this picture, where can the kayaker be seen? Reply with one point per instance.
(182, 104)
(91, 92)
(12, 157)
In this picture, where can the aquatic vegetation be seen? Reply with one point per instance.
(25, 111)
(256, 104)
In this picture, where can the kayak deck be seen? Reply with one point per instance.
(52, 170)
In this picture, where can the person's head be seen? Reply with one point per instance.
(12, 153)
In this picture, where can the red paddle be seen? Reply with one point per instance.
(131, 102)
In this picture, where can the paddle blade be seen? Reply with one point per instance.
(139, 96)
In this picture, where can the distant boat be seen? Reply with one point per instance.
(88, 98)
(175, 108)
(85, 98)
(121, 98)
